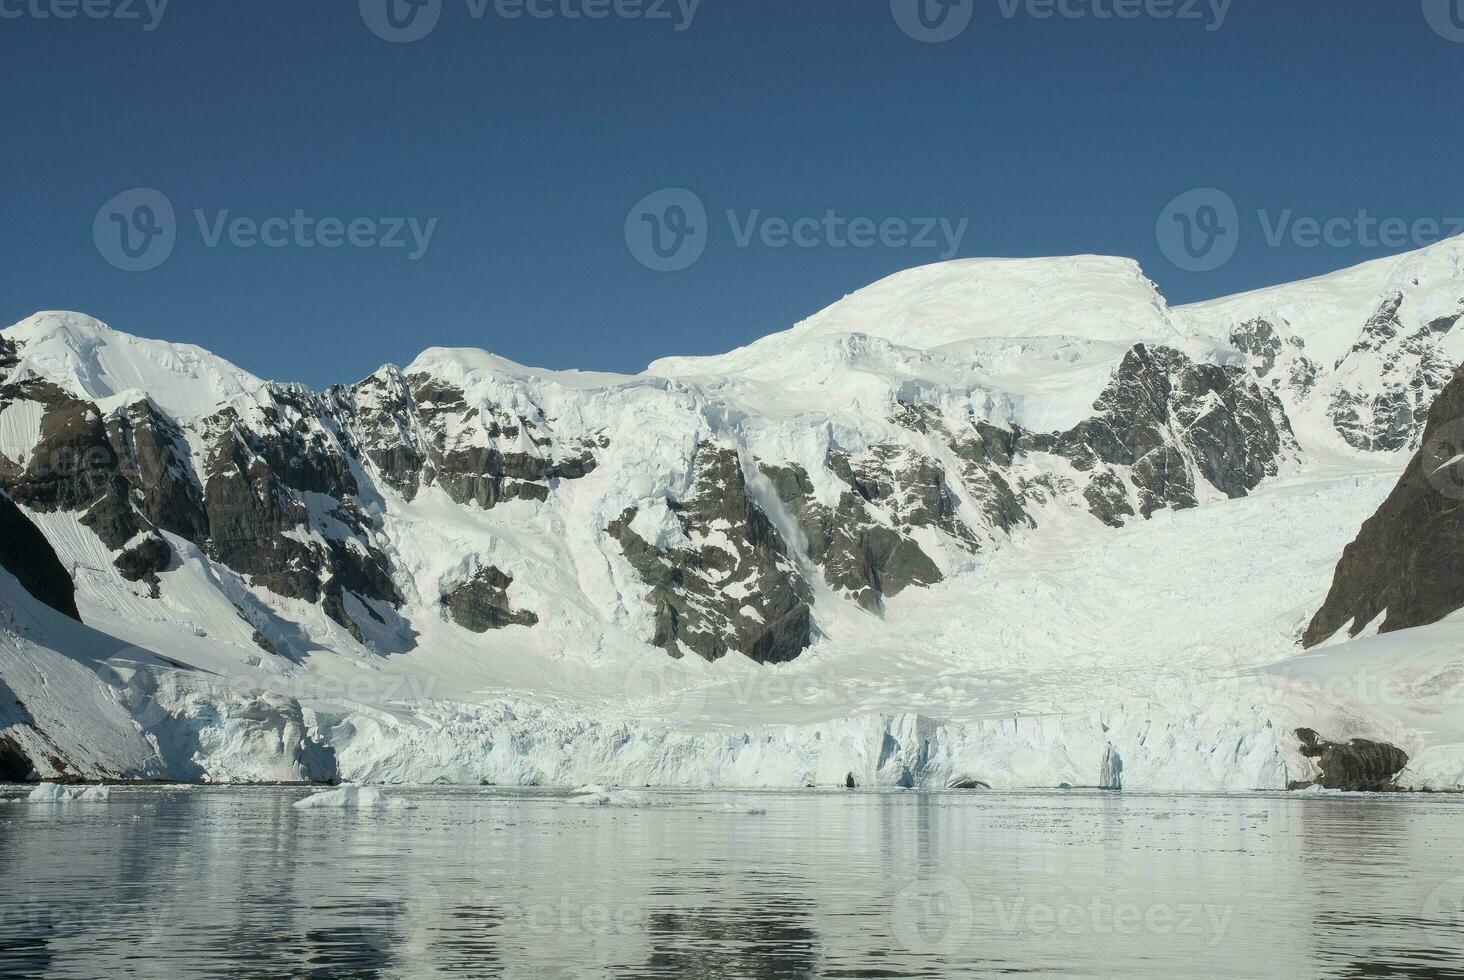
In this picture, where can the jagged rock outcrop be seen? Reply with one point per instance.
(1408, 560)
(1388, 380)
(1357, 766)
(281, 497)
(481, 603)
(1168, 421)
(728, 582)
(1276, 358)
(860, 555)
(26, 554)
(144, 559)
(421, 431)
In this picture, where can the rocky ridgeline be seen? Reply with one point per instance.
(287, 488)
(419, 431)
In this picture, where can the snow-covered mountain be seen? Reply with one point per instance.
(1009, 521)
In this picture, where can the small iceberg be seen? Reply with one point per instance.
(350, 798)
(594, 795)
(55, 793)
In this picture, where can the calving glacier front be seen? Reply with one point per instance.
(988, 522)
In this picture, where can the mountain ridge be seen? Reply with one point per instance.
(520, 535)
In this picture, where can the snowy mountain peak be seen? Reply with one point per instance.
(460, 364)
(91, 360)
(955, 308)
(1089, 297)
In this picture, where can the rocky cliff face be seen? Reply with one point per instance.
(722, 580)
(1388, 379)
(26, 554)
(1406, 566)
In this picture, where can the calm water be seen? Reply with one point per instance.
(235, 882)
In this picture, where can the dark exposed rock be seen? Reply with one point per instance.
(26, 554)
(250, 511)
(74, 468)
(420, 431)
(1408, 559)
(152, 457)
(1405, 373)
(1259, 339)
(258, 484)
(144, 560)
(986, 454)
(732, 586)
(859, 556)
(1108, 499)
(911, 488)
(15, 765)
(481, 603)
(1170, 420)
(1279, 360)
(1358, 766)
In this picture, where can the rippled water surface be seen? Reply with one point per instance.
(237, 882)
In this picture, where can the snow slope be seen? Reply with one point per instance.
(96, 362)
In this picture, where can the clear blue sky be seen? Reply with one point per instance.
(531, 140)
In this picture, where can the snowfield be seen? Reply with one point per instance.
(1157, 655)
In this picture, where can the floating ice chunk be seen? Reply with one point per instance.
(54, 793)
(349, 798)
(593, 795)
(740, 807)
